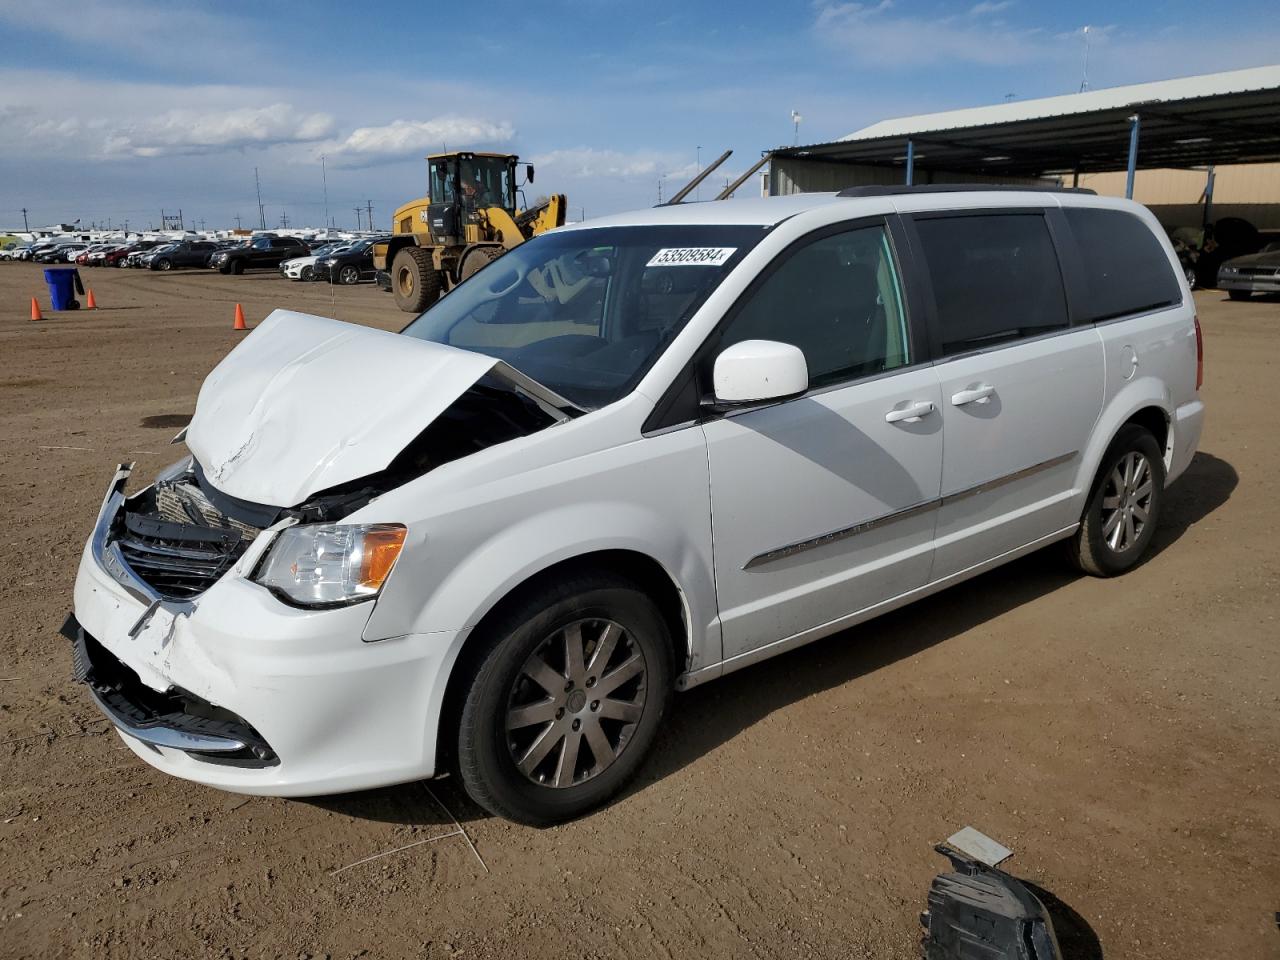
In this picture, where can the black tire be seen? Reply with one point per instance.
(1239, 294)
(307, 273)
(1094, 548)
(165, 264)
(415, 281)
(536, 624)
(237, 267)
(349, 275)
(478, 259)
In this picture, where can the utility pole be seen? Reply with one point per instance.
(25, 228)
(369, 209)
(698, 190)
(324, 176)
(202, 224)
(262, 214)
(284, 219)
(357, 210)
(237, 220)
(659, 191)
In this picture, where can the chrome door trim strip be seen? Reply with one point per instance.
(844, 533)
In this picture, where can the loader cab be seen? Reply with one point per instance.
(462, 185)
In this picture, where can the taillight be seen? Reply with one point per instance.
(1199, 355)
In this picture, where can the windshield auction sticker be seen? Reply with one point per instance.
(691, 256)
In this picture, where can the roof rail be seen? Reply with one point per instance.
(898, 189)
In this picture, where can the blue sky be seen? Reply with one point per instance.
(118, 109)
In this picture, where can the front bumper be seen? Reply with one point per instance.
(332, 712)
(1253, 283)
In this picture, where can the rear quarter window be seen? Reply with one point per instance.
(1126, 270)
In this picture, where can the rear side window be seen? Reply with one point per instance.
(995, 279)
(1126, 270)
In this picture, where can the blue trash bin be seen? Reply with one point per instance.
(63, 282)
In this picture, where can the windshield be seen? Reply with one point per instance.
(485, 182)
(586, 312)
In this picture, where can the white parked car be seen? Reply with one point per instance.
(304, 268)
(629, 457)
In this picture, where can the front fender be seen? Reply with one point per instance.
(514, 553)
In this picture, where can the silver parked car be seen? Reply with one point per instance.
(1254, 273)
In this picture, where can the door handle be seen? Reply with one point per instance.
(910, 413)
(982, 393)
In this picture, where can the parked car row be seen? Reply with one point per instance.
(346, 261)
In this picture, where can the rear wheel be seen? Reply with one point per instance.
(415, 281)
(1239, 294)
(1124, 507)
(478, 259)
(565, 701)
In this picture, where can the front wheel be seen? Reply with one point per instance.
(164, 265)
(415, 281)
(349, 275)
(566, 701)
(1124, 505)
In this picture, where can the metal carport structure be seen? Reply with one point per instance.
(1190, 122)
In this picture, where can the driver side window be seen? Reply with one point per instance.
(839, 300)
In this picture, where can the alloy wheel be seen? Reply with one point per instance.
(1126, 501)
(575, 704)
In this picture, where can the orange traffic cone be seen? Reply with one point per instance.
(35, 310)
(90, 303)
(239, 325)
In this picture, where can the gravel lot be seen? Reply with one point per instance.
(1119, 735)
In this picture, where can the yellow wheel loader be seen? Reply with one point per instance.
(468, 220)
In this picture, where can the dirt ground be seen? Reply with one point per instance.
(1119, 735)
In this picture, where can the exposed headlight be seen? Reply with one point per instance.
(327, 564)
(327, 262)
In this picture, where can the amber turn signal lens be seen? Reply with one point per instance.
(382, 545)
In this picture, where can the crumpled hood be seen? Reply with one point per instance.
(305, 403)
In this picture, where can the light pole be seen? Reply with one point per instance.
(795, 127)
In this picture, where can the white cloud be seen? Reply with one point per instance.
(987, 7)
(187, 131)
(404, 139)
(590, 162)
(877, 37)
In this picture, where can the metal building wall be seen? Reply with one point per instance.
(1250, 191)
(796, 175)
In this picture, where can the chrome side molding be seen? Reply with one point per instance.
(844, 533)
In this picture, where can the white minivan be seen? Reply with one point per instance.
(626, 458)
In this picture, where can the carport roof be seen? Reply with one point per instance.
(1216, 118)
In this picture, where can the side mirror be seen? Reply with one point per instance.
(528, 173)
(754, 371)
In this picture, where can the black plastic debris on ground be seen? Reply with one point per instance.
(977, 912)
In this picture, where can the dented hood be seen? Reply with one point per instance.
(306, 403)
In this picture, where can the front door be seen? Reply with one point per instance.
(825, 505)
(1021, 387)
